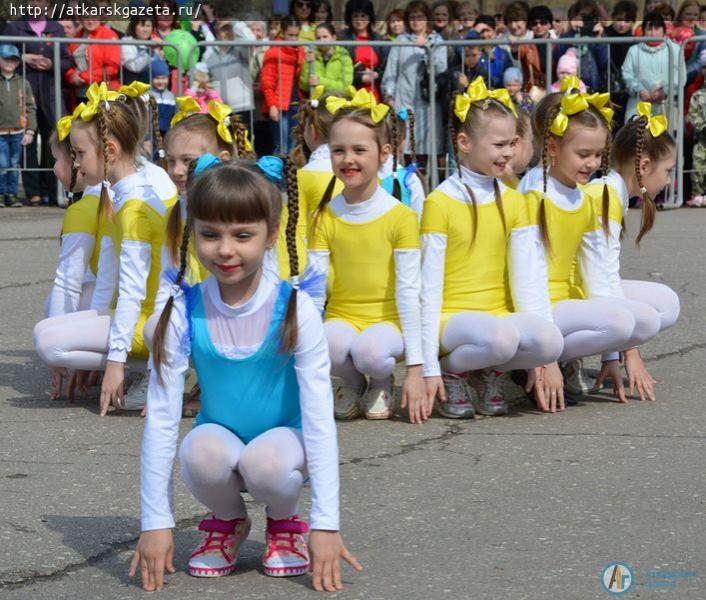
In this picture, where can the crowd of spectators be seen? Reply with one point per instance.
(266, 85)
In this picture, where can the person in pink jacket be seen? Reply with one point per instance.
(201, 88)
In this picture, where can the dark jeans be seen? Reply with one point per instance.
(10, 153)
(40, 183)
(282, 131)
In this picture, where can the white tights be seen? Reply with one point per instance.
(477, 340)
(373, 352)
(216, 467)
(660, 297)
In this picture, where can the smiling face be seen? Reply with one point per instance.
(657, 175)
(541, 27)
(232, 252)
(356, 155)
(418, 22)
(182, 149)
(441, 16)
(88, 154)
(577, 155)
(517, 28)
(690, 16)
(143, 30)
(360, 22)
(489, 148)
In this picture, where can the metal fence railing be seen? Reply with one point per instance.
(673, 105)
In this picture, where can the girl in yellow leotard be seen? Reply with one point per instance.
(372, 241)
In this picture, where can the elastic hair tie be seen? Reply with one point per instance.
(403, 114)
(174, 291)
(161, 153)
(207, 161)
(272, 168)
(643, 190)
(294, 282)
(314, 103)
(106, 184)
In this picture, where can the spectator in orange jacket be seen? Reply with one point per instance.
(95, 62)
(279, 81)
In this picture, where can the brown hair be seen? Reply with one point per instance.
(204, 125)
(321, 120)
(545, 113)
(422, 7)
(471, 127)
(632, 143)
(115, 121)
(396, 132)
(361, 116)
(236, 191)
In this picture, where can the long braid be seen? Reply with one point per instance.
(605, 203)
(542, 217)
(648, 204)
(300, 152)
(160, 332)
(105, 206)
(290, 325)
(457, 154)
(412, 136)
(396, 187)
(325, 199)
(157, 134)
(74, 175)
(499, 202)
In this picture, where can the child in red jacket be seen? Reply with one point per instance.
(279, 84)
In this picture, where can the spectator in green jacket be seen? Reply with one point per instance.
(332, 65)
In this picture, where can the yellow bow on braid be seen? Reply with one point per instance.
(136, 89)
(657, 124)
(477, 91)
(221, 113)
(316, 95)
(63, 125)
(601, 102)
(362, 99)
(96, 94)
(570, 83)
(187, 107)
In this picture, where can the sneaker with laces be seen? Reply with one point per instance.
(13, 201)
(459, 398)
(136, 387)
(215, 556)
(378, 403)
(575, 381)
(489, 386)
(345, 402)
(286, 553)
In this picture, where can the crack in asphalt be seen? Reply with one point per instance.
(677, 352)
(31, 239)
(21, 285)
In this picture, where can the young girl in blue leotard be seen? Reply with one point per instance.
(266, 419)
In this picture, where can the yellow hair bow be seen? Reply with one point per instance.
(63, 125)
(477, 91)
(362, 99)
(577, 102)
(96, 93)
(135, 90)
(187, 107)
(570, 83)
(657, 124)
(315, 95)
(221, 113)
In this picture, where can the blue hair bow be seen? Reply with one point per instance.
(206, 161)
(403, 114)
(272, 167)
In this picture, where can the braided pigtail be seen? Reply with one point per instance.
(396, 187)
(648, 204)
(157, 134)
(454, 142)
(412, 136)
(499, 202)
(74, 175)
(290, 327)
(160, 332)
(300, 152)
(605, 201)
(325, 199)
(542, 217)
(105, 206)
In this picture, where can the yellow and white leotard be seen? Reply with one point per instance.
(313, 179)
(159, 180)
(501, 272)
(133, 244)
(373, 247)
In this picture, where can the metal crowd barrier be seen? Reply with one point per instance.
(674, 97)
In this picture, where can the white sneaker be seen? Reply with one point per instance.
(345, 402)
(489, 386)
(136, 391)
(378, 403)
(459, 398)
(575, 382)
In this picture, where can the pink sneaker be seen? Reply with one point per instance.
(215, 556)
(287, 554)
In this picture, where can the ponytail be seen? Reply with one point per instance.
(605, 201)
(290, 327)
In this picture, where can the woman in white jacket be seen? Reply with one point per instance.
(135, 60)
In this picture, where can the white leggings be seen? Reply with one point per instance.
(660, 297)
(476, 340)
(216, 467)
(600, 325)
(373, 352)
(77, 341)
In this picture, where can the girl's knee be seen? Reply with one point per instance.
(618, 323)
(502, 343)
(203, 454)
(647, 323)
(265, 469)
(546, 344)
